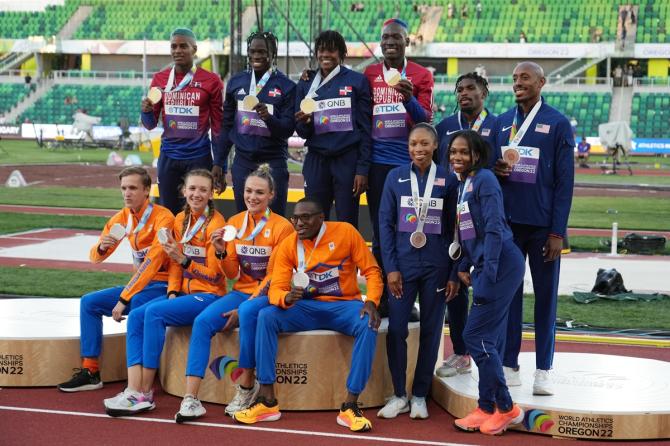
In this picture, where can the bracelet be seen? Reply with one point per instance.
(186, 263)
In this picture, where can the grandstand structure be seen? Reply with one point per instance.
(97, 55)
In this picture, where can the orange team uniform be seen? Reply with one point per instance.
(149, 260)
(331, 266)
(250, 261)
(204, 274)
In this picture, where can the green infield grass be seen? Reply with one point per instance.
(28, 152)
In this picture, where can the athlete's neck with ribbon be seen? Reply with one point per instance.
(138, 210)
(399, 63)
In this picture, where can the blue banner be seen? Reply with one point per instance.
(650, 146)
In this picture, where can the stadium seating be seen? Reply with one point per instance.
(589, 109)
(10, 95)
(108, 102)
(650, 115)
(20, 25)
(653, 22)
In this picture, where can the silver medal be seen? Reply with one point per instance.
(455, 250)
(300, 279)
(229, 233)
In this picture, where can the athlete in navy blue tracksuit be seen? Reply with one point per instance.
(471, 92)
(415, 270)
(337, 133)
(487, 245)
(260, 135)
(535, 166)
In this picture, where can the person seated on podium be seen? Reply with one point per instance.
(314, 287)
(139, 221)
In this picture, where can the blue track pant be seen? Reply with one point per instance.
(248, 314)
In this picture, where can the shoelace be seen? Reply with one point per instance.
(78, 372)
(354, 408)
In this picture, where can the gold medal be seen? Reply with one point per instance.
(417, 239)
(154, 95)
(249, 102)
(308, 106)
(393, 77)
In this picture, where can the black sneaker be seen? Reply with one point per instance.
(81, 380)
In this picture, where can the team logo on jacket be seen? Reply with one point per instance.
(344, 91)
(324, 120)
(197, 84)
(246, 120)
(379, 78)
(274, 92)
(542, 128)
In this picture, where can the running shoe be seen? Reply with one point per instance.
(82, 380)
(542, 384)
(352, 417)
(261, 410)
(190, 409)
(472, 421)
(500, 421)
(243, 399)
(419, 409)
(129, 402)
(394, 407)
(454, 365)
(512, 377)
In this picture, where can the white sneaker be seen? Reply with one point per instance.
(512, 377)
(394, 407)
(419, 410)
(243, 399)
(190, 409)
(129, 402)
(454, 365)
(542, 384)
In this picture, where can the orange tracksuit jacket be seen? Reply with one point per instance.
(332, 267)
(149, 260)
(204, 274)
(251, 260)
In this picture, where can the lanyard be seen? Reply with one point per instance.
(421, 207)
(478, 122)
(255, 88)
(461, 199)
(515, 135)
(184, 82)
(301, 249)
(259, 227)
(190, 232)
(403, 73)
(318, 83)
(141, 223)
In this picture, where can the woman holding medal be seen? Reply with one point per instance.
(484, 241)
(195, 281)
(333, 114)
(416, 226)
(246, 256)
(258, 119)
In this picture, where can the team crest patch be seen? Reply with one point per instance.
(331, 246)
(439, 181)
(275, 92)
(379, 78)
(267, 233)
(242, 92)
(486, 132)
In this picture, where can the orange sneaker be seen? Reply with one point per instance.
(260, 410)
(472, 421)
(352, 417)
(500, 421)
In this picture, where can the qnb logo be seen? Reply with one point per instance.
(537, 420)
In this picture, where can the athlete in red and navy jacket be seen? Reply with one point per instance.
(338, 132)
(191, 105)
(471, 92)
(535, 165)
(260, 135)
(395, 110)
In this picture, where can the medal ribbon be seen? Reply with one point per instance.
(318, 83)
(478, 122)
(184, 82)
(141, 223)
(190, 232)
(255, 88)
(421, 207)
(259, 227)
(301, 250)
(515, 136)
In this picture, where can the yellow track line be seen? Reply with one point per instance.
(598, 339)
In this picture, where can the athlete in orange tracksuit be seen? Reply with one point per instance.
(141, 222)
(330, 254)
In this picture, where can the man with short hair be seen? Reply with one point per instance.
(140, 222)
(402, 95)
(535, 165)
(326, 302)
(191, 103)
(582, 155)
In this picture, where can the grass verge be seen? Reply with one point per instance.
(28, 152)
(96, 198)
(11, 222)
(630, 212)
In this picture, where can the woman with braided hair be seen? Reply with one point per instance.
(195, 280)
(258, 119)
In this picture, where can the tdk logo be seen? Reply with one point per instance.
(527, 152)
(175, 110)
(389, 108)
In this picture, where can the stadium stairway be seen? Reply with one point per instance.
(75, 21)
(430, 21)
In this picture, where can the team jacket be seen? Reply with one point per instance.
(342, 120)
(390, 124)
(545, 201)
(398, 219)
(204, 274)
(484, 228)
(188, 114)
(332, 267)
(250, 261)
(255, 139)
(149, 260)
(449, 126)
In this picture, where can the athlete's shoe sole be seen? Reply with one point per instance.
(343, 423)
(83, 388)
(126, 412)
